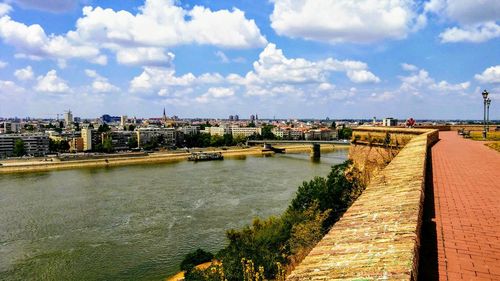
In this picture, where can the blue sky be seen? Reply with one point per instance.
(287, 58)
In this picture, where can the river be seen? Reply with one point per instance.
(138, 222)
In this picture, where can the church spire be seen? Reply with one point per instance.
(164, 114)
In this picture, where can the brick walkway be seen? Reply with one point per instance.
(466, 183)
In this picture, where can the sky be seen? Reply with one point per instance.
(275, 58)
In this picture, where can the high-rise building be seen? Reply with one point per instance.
(68, 118)
(87, 139)
(231, 117)
(236, 117)
(252, 117)
(123, 120)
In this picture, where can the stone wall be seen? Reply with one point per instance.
(377, 238)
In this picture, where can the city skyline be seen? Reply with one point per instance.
(337, 59)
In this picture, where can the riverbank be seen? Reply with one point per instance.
(41, 164)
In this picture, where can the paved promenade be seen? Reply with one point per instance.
(466, 183)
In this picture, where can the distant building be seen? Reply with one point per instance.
(252, 117)
(145, 135)
(245, 131)
(236, 117)
(288, 133)
(68, 118)
(320, 134)
(90, 138)
(231, 118)
(119, 139)
(76, 145)
(10, 127)
(34, 144)
(217, 131)
(388, 122)
(123, 120)
(190, 130)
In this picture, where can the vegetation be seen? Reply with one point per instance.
(132, 143)
(494, 145)
(58, 146)
(205, 140)
(491, 136)
(345, 133)
(19, 149)
(260, 250)
(106, 146)
(197, 257)
(103, 128)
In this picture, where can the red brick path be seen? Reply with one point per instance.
(466, 179)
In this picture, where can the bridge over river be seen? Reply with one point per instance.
(315, 144)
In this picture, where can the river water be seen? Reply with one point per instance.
(138, 222)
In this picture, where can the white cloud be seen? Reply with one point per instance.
(4, 9)
(137, 39)
(32, 42)
(409, 67)
(465, 11)
(9, 87)
(214, 94)
(153, 78)
(100, 83)
(24, 73)
(385, 96)
(477, 20)
(362, 76)
(272, 74)
(274, 67)
(345, 20)
(161, 23)
(421, 81)
(223, 58)
(3, 64)
(445, 86)
(489, 75)
(51, 83)
(144, 56)
(474, 34)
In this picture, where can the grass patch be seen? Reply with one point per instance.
(491, 136)
(494, 145)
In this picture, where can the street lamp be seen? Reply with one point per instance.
(485, 97)
(488, 102)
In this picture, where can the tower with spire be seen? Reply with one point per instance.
(164, 115)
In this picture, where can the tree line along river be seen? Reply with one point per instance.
(138, 222)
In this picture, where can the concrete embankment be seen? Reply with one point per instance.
(38, 165)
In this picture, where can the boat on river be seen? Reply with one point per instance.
(205, 156)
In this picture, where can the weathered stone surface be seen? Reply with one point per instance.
(377, 238)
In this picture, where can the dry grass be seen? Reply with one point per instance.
(494, 145)
(492, 136)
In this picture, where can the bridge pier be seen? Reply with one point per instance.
(316, 151)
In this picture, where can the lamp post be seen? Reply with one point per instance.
(485, 97)
(488, 102)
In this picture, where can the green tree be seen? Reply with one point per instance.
(132, 143)
(103, 128)
(19, 148)
(107, 145)
(195, 258)
(345, 133)
(267, 133)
